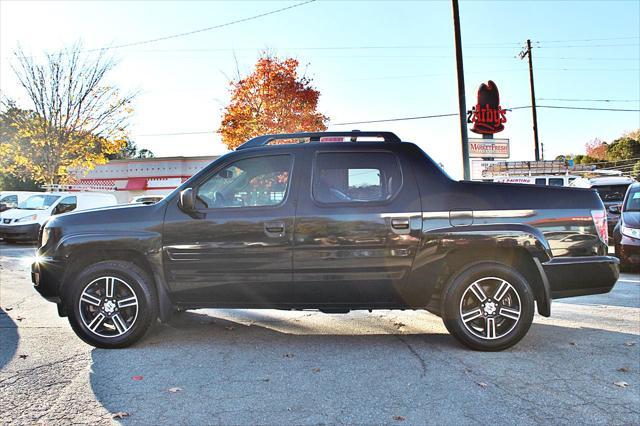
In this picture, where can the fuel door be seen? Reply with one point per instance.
(461, 217)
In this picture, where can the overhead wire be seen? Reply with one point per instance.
(201, 30)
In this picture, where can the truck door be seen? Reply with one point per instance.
(357, 227)
(235, 249)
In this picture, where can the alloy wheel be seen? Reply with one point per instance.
(490, 308)
(108, 307)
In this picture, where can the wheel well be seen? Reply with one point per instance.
(517, 258)
(79, 261)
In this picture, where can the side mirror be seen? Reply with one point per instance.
(187, 200)
(615, 209)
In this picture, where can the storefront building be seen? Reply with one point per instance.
(142, 176)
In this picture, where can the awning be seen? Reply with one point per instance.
(136, 184)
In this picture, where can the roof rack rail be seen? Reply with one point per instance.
(315, 137)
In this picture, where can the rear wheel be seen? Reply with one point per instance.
(488, 306)
(111, 304)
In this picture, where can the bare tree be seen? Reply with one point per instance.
(80, 117)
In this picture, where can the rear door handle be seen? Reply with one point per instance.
(400, 225)
(274, 229)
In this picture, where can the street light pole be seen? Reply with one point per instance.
(527, 52)
(461, 93)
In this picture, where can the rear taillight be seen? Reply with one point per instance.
(600, 221)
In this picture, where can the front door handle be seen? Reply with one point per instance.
(400, 225)
(274, 229)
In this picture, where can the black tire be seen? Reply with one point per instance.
(130, 280)
(506, 330)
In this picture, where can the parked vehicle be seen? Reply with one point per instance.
(611, 189)
(147, 199)
(334, 226)
(626, 235)
(11, 199)
(23, 222)
(547, 180)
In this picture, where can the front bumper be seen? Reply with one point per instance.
(629, 250)
(581, 276)
(46, 276)
(27, 232)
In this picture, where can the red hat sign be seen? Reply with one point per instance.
(487, 116)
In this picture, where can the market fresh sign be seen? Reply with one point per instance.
(483, 148)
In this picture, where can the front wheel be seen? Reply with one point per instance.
(111, 304)
(488, 306)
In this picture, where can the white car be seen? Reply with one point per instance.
(23, 222)
(147, 199)
(11, 199)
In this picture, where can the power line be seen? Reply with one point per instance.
(388, 120)
(586, 45)
(588, 100)
(215, 27)
(636, 37)
(206, 132)
(589, 108)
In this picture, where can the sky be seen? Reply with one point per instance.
(370, 60)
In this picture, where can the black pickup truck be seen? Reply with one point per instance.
(334, 226)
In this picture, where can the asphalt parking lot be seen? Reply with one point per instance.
(272, 367)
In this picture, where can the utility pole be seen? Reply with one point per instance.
(462, 104)
(527, 52)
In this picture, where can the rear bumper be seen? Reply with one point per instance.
(20, 232)
(581, 276)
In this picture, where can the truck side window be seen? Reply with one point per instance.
(356, 177)
(67, 204)
(252, 182)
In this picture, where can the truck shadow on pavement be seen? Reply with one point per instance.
(8, 338)
(266, 367)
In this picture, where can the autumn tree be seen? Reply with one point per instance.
(597, 149)
(274, 98)
(74, 120)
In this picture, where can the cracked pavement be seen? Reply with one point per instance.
(274, 367)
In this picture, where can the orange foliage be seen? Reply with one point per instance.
(272, 99)
(597, 149)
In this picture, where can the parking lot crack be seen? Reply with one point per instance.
(423, 364)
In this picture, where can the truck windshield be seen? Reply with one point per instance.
(38, 202)
(633, 201)
(612, 192)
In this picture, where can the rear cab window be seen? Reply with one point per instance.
(611, 192)
(363, 177)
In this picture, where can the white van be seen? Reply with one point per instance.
(23, 222)
(11, 199)
(547, 180)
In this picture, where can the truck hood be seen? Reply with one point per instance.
(109, 217)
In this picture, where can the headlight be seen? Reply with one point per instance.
(630, 232)
(27, 218)
(46, 233)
